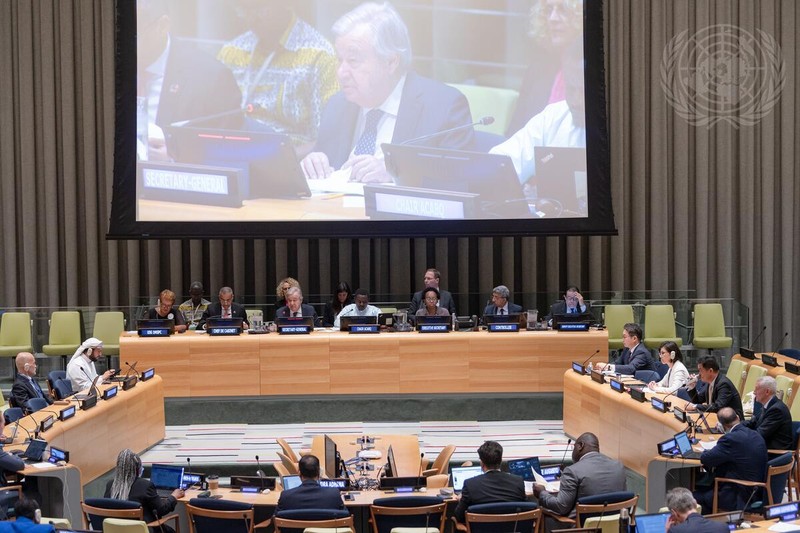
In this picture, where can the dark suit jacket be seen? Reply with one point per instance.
(696, 523)
(215, 310)
(739, 454)
(307, 310)
(23, 390)
(309, 495)
(9, 463)
(513, 308)
(144, 492)
(774, 424)
(493, 486)
(426, 106)
(445, 301)
(560, 308)
(640, 359)
(725, 395)
(593, 474)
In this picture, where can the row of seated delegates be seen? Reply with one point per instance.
(360, 307)
(25, 385)
(128, 484)
(193, 308)
(81, 370)
(432, 278)
(684, 517)
(342, 297)
(501, 304)
(309, 495)
(590, 473)
(381, 100)
(296, 308)
(28, 518)
(224, 308)
(166, 310)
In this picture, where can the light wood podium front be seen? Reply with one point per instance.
(331, 362)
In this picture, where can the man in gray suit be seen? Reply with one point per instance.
(591, 473)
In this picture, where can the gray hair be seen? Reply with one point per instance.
(389, 32)
(767, 382)
(226, 290)
(502, 291)
(680, 500)
(292, 291)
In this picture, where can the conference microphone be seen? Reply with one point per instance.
(666, 403)
(260, 473)
(485, 121)
(131, 368)
(780, 343)
(92, 388)
(421, 456)
(188, 463)
(564, 457)
(758, 336)
(583, 365)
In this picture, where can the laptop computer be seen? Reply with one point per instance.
(651, 523)
(290, 482)
(156, 323)
(346, 321)
(561, 179)
(491, 176)
(166, 478)
(685, 446)
(462, 473)
(267, 159)
(92, 390)
(35, 451)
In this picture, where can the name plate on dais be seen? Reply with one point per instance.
(154, 332)
(223, 330)
(294, 330)
(365, 328)
(434, 328)
(499, 327)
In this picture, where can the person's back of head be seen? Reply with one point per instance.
(681, 501)
(491, 454)
(584, 444)
(28, 508)
(309, 467)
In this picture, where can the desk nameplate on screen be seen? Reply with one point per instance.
(434, 328)
(190, 184)
(148, 374)
(300, 329)
(365, 328)
(415, 203)
(505, 328)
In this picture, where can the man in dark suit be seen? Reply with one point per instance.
(501, 305)
(739, 454)
(774, 421)
(591, 473)
(296, 308)
(431, 279)
(571, 304)
(635, 356)
(224, 308)
(493, 485)
(25, 385)
(684, 517)
(309, 495)
(720, 392)
(381, 100)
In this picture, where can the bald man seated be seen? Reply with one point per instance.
(25, 385)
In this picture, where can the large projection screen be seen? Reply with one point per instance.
(335, 118)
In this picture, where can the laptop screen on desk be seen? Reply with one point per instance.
(651, 523)
(166, 476)
(463, 473)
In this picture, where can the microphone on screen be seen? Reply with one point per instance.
(485, 121)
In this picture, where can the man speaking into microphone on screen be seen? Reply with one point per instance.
(382, 100)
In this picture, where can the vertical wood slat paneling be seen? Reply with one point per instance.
(709, 209)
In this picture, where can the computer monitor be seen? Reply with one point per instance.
(524, 467)
(346, 321)
(331, 459)
(290, 482)
(166, 476)
(391, 463)
(651, 523)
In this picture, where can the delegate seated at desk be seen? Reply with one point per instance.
(296, 308)
(27, 520)
(774, 421)
(684, 517)
(81, 370)
(225, 308)
(432, 278)
(431, 307)
(361, 307)
(720, 392)
(166, 310)
(309, 495)
(635, 356)
(500, 304)
(25, 385)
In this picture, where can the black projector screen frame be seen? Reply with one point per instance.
(597, 217)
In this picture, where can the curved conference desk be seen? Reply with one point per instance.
(331, 362)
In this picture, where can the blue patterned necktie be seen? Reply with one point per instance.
(366, 143)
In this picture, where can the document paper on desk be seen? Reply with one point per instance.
(707, 445)
(784, 526)
(337, 182)
(549, 486)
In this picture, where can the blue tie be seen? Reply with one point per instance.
(37, 388)
(366, 143)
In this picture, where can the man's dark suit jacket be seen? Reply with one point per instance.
(426, 107)
(445, 301)
(739, 454)
(307, 310)
(513, 309)
(640, 359)
(774, 423)
(309, 495)
(560, 308)
(725, 395)
(493, 486)
(23, 390)
(144, 492)
(696, 523)
(214, 310)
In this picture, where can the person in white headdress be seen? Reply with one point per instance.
(81, 370)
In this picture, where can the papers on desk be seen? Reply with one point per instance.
(784, 526)
(549, 486)
(707, 445)
(42, 466)
(338, 182)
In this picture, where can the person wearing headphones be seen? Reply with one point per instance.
(81, 370)
(25, 384)
(677, 376)
(28, 518)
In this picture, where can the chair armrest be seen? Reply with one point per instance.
(742, 482)
(429, 472)
(265, 523)
(169, 518)
(562, 519)
(458, 526)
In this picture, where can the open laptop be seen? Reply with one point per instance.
(35, 451)
(651, 523)
(462, 473)
(346, 321)
(267, 159)
(491, 176)
(92, 390)
(290, 482)
(685, 446)
(166, 478)
(561, 179)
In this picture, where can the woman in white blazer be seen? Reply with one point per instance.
(677, 375)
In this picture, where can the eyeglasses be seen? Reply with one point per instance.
(431, 299)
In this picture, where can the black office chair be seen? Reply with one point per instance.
(35, 404)
(410, 511)
(646, 376)
(521, 517)
(297, 520)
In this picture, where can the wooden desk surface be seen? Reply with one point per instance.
(331, 362)
(133, 419)
(404, 447)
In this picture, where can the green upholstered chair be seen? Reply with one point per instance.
(15, 333)
(615, 317)
(490, 101)
(709, 327)
(107, 327)
(65, 335)
(753, 373)
(659, 326)
(737, 371)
